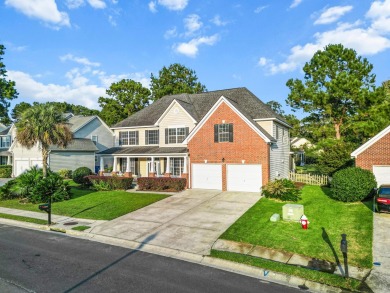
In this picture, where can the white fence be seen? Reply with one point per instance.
(309, 178)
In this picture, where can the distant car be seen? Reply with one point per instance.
(382, 199)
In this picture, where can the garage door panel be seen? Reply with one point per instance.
(21, 166)
(207, 176)
(244, 178)
(382, 174)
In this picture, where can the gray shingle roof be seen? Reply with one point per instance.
(144, 150)
(78, 121)
(198, 105)
(77, 144)
(5, 131)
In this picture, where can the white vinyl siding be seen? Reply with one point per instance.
(71, 160)
(280, 152)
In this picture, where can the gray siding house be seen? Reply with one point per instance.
(90, 136)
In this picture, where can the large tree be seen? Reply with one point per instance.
(7, 90)
(18, 110)
(338, 86)
(126, 98)
(43, 125)
(176, 79)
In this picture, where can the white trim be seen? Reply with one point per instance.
(370, 142)
(273, 119)
(221, 100)
(90, 120)
(169, 108)
(144, 155)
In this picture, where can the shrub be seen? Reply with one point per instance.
(282, 189)
(335, 155)
(110, 182)
(65, 173)
(161, 183)
(79, 175)
(5, 171)
(352, 184)
(32, 186)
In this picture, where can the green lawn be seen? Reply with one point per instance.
(23, 219)
(97, 205)
(328, 220)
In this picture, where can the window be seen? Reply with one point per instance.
(128, 138)
(94, 139)
(5, 141)
(151, 136)
(175, 135)
(176, 165)
(223, 133)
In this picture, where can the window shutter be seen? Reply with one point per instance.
(158, 137)
(230, 132)
(146, 136)
(187, 131)
(215, 132)
(166, 135)
(136, 138)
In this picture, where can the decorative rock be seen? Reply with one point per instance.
(275, 218)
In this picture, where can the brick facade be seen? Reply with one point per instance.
(376, 154)
(247, 144)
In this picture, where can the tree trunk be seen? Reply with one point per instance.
(45, 155)
(337, 129)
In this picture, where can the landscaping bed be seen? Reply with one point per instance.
(328, 220)
(90, 204)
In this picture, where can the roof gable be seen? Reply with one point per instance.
(253, 125)
(174, 102)
(370, 142)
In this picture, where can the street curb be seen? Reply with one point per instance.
(226, 265)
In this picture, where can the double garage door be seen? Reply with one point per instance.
(239, 177)
(22, 165)
(382, 174)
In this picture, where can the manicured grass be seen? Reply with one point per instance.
(23, 219)
(80, 228)
(328, 220)
(324, 278)
(96, 205)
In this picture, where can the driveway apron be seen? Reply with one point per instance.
(379, 279)
(189, 221)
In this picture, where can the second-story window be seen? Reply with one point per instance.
(223, 132)
(176, 135)
(151, 136)
(128, 138)
(5, 141)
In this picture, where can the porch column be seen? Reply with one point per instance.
(9, 160)
(152, 172)
(101, 171)
(185, 173)
(168, 168)
(114, 167)
(185, 165)
(128, 169)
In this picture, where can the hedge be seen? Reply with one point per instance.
(5, 171)
(110, 182)
(161, 184)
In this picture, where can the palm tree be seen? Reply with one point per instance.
(43, 125)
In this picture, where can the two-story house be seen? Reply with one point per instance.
(226, 140)
(90, 136)
(5, 143)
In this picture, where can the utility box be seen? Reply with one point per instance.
(292, 212)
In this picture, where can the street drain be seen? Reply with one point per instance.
(70, 223)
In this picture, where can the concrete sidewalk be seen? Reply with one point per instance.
(59, 222)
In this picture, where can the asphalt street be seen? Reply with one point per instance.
(39, 261)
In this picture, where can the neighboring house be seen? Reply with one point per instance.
(374, 155)
(300, 143)
(5, 143)
(225, 140)
(90, 136)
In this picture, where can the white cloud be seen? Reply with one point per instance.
(332, 14)
(191, 48)
(111, 20)
(173, 4)
(171, 33)
(379, 13)
(73, 4)
(295, 3)
(98, 4)
(218, 22)
(45, 10)
(260, 8)
(263, 61)
(79, 60)
(192, 23)
(152, 6)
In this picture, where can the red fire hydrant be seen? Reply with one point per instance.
(304, 222)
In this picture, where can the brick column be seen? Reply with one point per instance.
(185, 175)
(224, 179)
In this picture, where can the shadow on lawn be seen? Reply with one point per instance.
(326, 238)
(90, 208)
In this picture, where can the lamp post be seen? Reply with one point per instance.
(344, 250)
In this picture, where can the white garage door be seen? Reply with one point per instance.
(244, 178)
(207, 176)
(21, 166)
(382, 174)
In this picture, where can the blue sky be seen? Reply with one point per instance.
(72, 50)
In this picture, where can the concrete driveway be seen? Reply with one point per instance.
(379, 279)
(189, 221)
